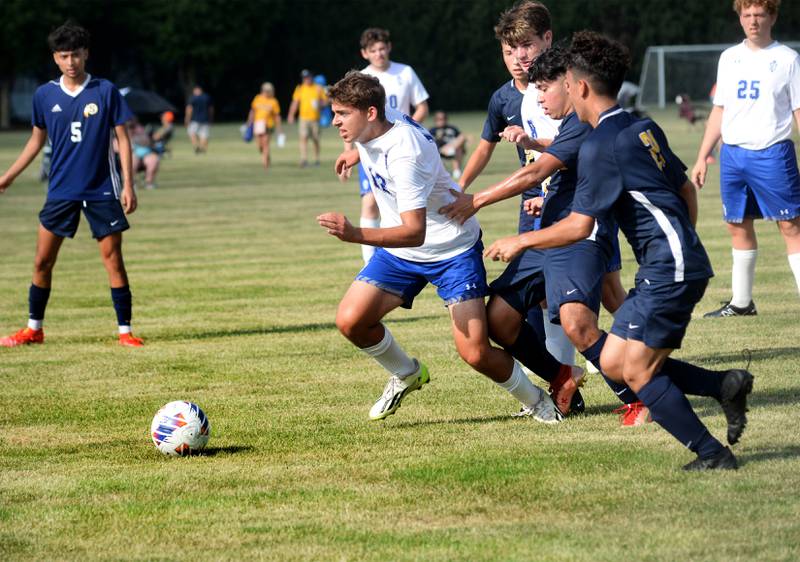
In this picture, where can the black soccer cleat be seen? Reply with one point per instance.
(736, 385)
(724, 460)
(577, 406)
(728, 309)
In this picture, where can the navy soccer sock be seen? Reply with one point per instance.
(123, 304)
(671, 410)
(37, 302)
(693, 380)
(532, 353)
(592, 354)
(535, 318)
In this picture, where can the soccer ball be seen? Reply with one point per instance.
(180, 428)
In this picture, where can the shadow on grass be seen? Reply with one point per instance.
(443, 421)
(229, 450)
(742, 357)
(788, 452)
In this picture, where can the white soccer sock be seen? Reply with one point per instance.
(125, 329)
(367, 251)
(558, 343)
(391, 356)
(742, 275)
(521, 387)
(794, 263)
(34, 324)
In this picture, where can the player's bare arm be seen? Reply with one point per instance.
(346, 161)
(689, 194)
(410, 234)
(467, 204)
(476, 163)
(187, 116)
(563, 233)
(517, 135)
(710, 139)
(31, 149)
(420, 112)
(128, 195)
(292, 111)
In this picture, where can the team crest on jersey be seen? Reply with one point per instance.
(90, 109)
(773, 65)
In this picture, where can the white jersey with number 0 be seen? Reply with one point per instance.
(758, 90)
(406, 173)
(402, 85)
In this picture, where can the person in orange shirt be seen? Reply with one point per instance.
(309, 98)
(265, 117)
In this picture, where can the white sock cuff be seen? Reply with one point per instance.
(34, 324)
(381, 346)
(125, 329)
(794, 258)
(366, 222)
(744, 254)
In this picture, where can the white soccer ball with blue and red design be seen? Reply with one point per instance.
(180, 428)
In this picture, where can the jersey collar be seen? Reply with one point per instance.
(78, 90)
(610, 112)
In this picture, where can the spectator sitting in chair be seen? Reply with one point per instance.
(451, 142)
(145, 157)
(161, 136)
(686, 110)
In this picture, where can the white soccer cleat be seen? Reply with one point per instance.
(396, 389)
(543, 411)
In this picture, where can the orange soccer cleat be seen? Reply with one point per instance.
(634, 414)
(24, 337)
(129, 340)
(564, 387)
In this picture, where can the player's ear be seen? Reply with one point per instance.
(372, 113)
(548, 38)
(364, 54)
(389, 48)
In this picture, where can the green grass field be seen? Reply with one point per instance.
(235, 289)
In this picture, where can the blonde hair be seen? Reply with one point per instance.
(268, 87)
(771, 6)
(523, 21)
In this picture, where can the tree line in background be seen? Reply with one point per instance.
(231, 46)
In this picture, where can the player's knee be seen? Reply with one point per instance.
(790, 229)
(579, 332)
(349, 323)
(502, 329)
(476, 356)
(44, 264)
(611, 367)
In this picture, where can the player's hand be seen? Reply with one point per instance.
(128, 200)
(534, 206)
(5, 182)
(337, 225)
(513, 133)
(699, 173)
(505, 249)
(345, 163)
(462, 208)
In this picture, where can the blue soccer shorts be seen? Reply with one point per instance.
(759, 183)
(521, 284)
(574, 273)
(460, 278)
(104, 217)
(658, 313)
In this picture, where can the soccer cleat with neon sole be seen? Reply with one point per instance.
(129, 340)
(397, 389)
(25, 336)
(634, 414)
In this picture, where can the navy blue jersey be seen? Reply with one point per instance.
(627, 171)
(504, 110)
(80, 125)
(200, 107)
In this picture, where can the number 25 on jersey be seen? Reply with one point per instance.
(748, 90)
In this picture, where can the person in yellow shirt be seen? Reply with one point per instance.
(265, 117)
(309, 98)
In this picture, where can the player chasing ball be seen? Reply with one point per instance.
(416, 245)
(80, 114)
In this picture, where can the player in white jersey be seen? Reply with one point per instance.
(404, 93)
(415, 245)
(757, 94)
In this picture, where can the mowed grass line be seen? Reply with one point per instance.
(235, 290)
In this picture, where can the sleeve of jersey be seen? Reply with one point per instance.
(120, 112)
(719, 92)
(567, 143)
(412, 184)
(599, 183)
(37, 115)
(794, 84)
(296, 94)
(418, 92)
(494, 123)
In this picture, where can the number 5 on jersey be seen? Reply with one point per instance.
(75, 130)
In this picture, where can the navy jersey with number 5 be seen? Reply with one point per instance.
(80, 125)
(627, 171)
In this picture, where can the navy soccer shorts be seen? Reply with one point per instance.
(460, 278)
(759, 183)
(658, 313)
(104, 217)
(574, 273)
(521, 284)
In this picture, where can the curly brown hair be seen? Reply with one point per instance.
(771, 6)
(361, 91)
(374, 35)
(602, 61)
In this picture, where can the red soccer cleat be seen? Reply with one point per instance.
(564, 387)
(129, 340)
(632, 415)
(24, 337)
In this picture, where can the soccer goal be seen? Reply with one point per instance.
(672, 70)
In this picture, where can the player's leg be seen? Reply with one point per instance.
(790, 230)
(266, 138)
(303, 132)
(370, 215)
(203, 133)
(315, 140)
(151, 164)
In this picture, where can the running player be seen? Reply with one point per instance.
(757, 93)
(626, 172)
(80, 114)
(416, 245)
(404, 92)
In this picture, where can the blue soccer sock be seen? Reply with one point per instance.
(671, 410)
(693, 380)
(123, 304)
(37, 303)
(531, 352)
(592, 354)
(535, 318)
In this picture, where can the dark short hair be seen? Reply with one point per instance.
(361, 91)
(522, 20)
(602, 61)
(68, 37)
(374, 35)
(550, 65)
